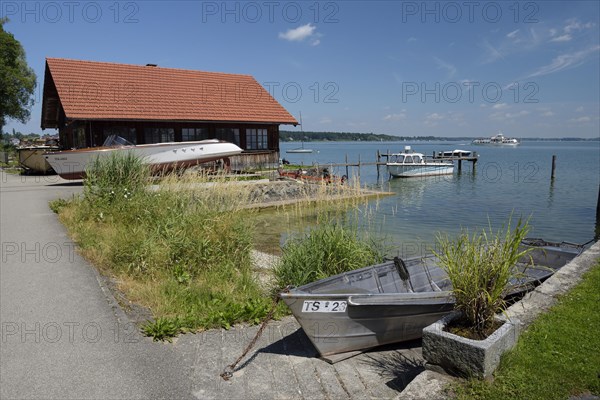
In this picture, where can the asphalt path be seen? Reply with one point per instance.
(63, 335)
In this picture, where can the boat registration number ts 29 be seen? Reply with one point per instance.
(324, 306)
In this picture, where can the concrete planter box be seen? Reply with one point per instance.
(466, 357)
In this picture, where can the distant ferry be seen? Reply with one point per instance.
(498, 139)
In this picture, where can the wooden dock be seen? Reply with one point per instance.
(380, 157)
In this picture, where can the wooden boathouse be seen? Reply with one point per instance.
(87, 101)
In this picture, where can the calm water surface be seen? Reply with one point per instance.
(506, 180)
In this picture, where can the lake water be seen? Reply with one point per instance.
(506, 180)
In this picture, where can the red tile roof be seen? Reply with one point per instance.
(108, 91)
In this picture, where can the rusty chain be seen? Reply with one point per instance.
(228, 371)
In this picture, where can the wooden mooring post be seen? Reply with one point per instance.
(347, 176)
(553, 167)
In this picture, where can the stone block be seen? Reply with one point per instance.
(466, 357)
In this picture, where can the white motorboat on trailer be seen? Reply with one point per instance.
(71, 164)
(410, 164)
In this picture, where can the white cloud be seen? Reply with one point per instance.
(562, 38)
(433, 119)
(492, 53)
(534, 37)
(517, 115)
(411, 39)
(499, 115)
(325, 120)
(579, 109)
(565, 61)
(547, 114)
(395, 117)
(573, 25)
(301, 33)
(581, 119)
(512, 34)
(444, 65)
(500, 106)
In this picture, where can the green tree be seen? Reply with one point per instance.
(17, 79)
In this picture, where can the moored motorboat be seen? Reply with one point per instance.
(71, 164)
(393, 301)
(410, 164)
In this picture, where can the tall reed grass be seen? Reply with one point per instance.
(181, 248)
(480, 267)
(325, 250)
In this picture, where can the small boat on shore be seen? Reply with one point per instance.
(71, 164)
(32, 159)
(409, 164)
(393, 301)
(314, 175)
(498, 140)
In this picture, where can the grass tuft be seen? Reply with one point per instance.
(480, 267)
(327, 249)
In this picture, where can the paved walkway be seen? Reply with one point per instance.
(64, 336)
(285, 367)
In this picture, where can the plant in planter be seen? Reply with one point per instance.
(480, 268)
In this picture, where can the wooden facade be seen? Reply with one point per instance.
(163, 105)
(259, 141)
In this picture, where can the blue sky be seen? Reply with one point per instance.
(529, 69)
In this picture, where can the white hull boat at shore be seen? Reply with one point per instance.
(71, 164)
(410, 164)
(392, 302)
(32, 158)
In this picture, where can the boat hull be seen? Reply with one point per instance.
(71, 164)
(412, 171)
(373, 306)
(300, 151)
(32, 158)
(364, 327)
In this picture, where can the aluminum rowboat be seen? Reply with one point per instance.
(393, 301)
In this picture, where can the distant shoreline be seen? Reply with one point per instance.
(289, 136)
